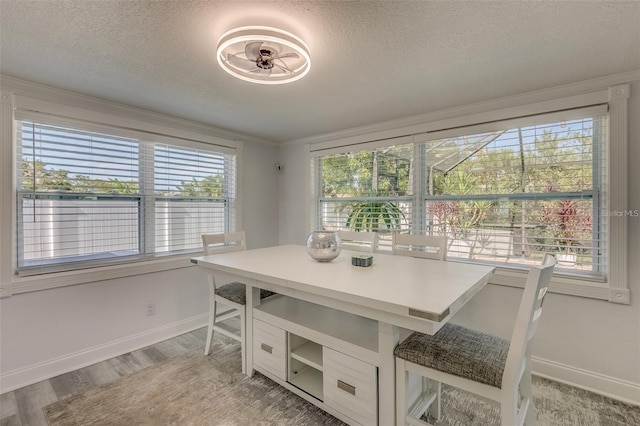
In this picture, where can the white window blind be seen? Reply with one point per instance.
(368, 190)
(504, 196)
(193, 191)
(511, 195)
(88, 197)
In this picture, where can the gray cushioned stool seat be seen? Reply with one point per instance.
(236, 292)
(459, 351)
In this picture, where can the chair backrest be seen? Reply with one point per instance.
(526, 324)
(425, 246)
(223, 243)
(359, 241)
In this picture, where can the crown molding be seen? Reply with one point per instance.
(395, 128)
(40, 91)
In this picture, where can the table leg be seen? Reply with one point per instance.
(253, 299)
(388, 337)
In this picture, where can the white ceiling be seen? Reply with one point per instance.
(372, 61)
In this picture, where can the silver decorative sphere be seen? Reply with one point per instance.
(323, 246)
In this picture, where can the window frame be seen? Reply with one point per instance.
(102, 113)
(616, 287)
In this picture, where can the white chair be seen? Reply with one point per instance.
(366, 242)
(232, 296)
(476, 362)
(425, 246)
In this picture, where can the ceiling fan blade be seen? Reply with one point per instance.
(252, 50)
(283, 68)
(287, 55)
(241, 63)
(261, 71)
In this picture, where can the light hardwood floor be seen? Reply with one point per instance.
(23, 407)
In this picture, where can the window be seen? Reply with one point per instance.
(503, 196)
(89, 195)
(510, 196)
(367, 190)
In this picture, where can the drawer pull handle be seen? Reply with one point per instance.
(266, 348)
(346, 387)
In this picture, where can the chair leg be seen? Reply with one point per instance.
(509, 407)
(401, 393)
(526, 390)
(243, 339)
(212, 320)
(434, 387)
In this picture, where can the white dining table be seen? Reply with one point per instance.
(396, 291)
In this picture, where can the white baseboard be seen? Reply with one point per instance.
(25, 376)
(611, 387)
(618, 389)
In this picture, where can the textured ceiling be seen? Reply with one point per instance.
(372, 61)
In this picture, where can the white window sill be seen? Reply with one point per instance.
(564, 284)
(84, 276)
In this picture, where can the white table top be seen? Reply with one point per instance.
(428, 289)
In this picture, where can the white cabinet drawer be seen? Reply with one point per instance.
(269, 348)
(350, 386)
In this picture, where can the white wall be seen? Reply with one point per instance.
(260, 195)
(294, 191)
(43, 326)
(591, 343)
(49, 332)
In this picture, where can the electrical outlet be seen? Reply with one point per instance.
(151, 309)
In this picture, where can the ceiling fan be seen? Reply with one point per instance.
(263, 55)
(261, 58)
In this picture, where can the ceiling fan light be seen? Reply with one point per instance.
(289, 69)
